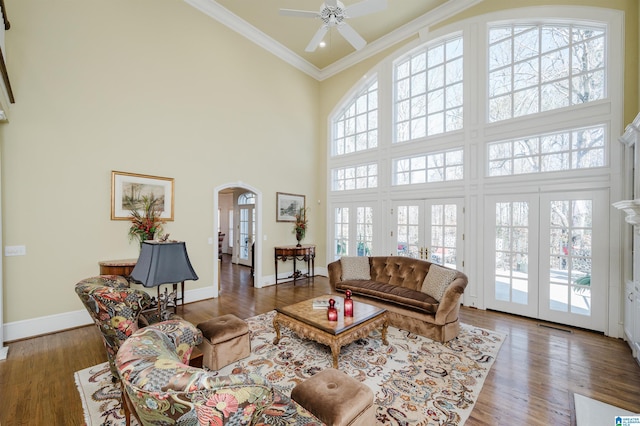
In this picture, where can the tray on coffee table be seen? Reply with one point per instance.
(309, 323)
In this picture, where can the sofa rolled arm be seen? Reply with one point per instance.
(450, 303)
(335, 274)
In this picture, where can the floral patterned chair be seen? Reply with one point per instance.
(162, 389)
(115, 309)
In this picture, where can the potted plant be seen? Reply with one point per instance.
(300, 225)
(146, 223)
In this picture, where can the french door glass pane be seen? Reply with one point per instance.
(408, 231)
(364, 230)
(511, 251)
(570, 256)
(443, 234)
(341, 231)
(244, 233)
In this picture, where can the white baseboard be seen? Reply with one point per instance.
(3, 352)
(18, 330)
(53, 323)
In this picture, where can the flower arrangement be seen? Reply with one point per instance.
(300, 224)
(145, 225)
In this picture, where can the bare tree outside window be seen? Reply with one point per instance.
(535, 68)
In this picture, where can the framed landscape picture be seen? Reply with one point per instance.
(287, 205)
(129, 189)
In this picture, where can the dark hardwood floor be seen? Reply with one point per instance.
(531, 382)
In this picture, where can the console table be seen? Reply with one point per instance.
(305, 253)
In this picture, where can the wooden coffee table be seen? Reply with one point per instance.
(309, 323)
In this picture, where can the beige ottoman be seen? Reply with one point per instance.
(336, 399)
(225, 339)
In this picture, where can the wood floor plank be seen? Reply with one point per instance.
(530, 383)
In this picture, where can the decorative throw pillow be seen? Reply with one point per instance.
(355, 268)
(437, 281)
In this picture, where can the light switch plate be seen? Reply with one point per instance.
(15, 250)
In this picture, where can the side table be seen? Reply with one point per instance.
(305, 252)
(117, 267)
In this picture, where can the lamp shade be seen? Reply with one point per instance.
(163, 263)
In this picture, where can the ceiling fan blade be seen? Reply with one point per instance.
(364, 8)
(331, 3)
(317, 38)
(351, 35)
(299, 13)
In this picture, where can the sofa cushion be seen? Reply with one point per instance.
(355, 268)
(391, 293)
(399, 270)
(437, 281)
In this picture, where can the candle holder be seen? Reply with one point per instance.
(332, 312)
(348, 304)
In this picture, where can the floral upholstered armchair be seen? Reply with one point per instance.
(162, 389)
(115, 308)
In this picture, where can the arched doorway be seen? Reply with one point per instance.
(239, 189)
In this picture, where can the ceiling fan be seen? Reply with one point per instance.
(334, 14)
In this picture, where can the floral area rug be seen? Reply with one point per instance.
(415, 380)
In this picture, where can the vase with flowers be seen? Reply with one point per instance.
(146, 222)
(300, 225)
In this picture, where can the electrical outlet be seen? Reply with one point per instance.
(15, 250)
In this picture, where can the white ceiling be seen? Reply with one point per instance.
(287, 37)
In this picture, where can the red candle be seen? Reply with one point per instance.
(348, 304)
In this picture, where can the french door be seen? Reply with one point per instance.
(353, 229)
(430, 230)
(541, 260)
(246, 233)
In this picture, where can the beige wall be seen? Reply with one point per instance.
(146, 86)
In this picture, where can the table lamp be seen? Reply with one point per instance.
(163, 263)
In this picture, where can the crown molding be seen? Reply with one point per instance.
(417, 26)
(222, 15)
(214, 10)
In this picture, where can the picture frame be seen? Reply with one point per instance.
(288, 205)
(127, 190)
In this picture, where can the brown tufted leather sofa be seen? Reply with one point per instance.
(395, 285)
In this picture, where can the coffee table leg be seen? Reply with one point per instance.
(335, 352)
(385, 325)
(276, 326)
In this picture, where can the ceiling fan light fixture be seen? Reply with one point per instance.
(333, 13)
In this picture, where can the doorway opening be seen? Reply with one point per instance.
(237, 215)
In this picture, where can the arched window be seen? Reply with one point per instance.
(247, 198)
(428, 90)
(356, 127)
(535, 68)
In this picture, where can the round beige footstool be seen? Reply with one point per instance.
(225, 340)
(336, 399)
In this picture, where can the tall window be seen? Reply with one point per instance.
(428, 91)
(493, 114)
(356, 129)
(535, 68)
